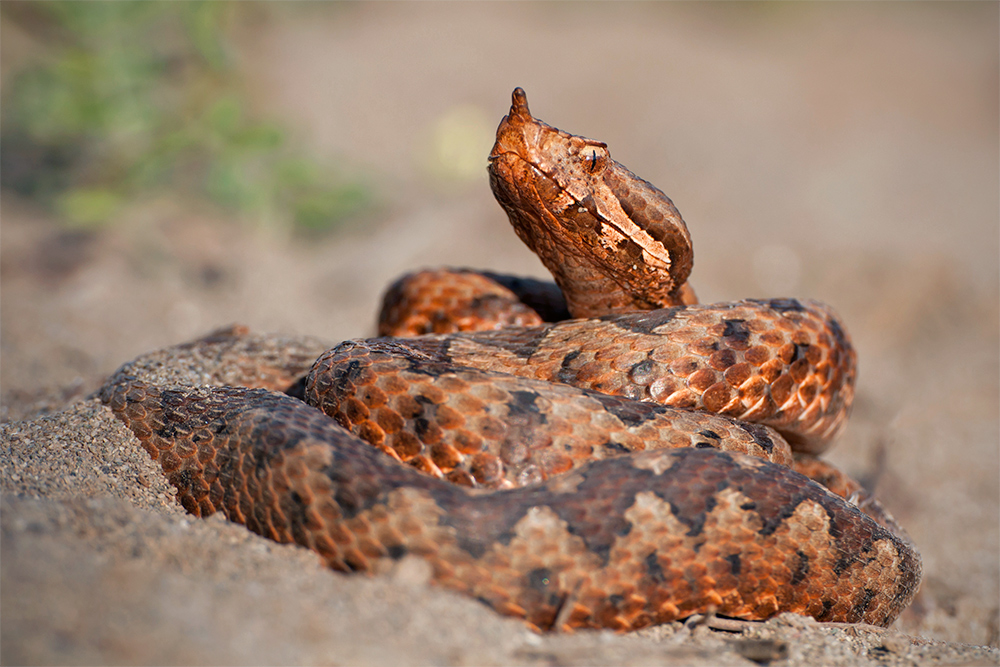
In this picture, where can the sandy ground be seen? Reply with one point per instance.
(840, 152)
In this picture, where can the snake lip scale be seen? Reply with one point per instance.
(610, 454)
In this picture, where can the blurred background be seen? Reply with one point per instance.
(168, 168)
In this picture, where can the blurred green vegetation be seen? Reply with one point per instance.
(130, 98)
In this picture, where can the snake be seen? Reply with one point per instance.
(603, 452)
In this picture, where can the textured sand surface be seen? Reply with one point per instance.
(840, 152)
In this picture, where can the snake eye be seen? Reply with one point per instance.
(595, 157)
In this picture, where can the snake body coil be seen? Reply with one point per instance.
(645, 462)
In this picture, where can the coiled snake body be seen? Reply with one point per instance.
(646, 461)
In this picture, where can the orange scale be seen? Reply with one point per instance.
(434, 394)
(467, 442)
(554, 462)
(406, 444)
(773, 338)
(611, 385)
(757, 323)
(543, 370)
(486, 469)
(645, 372)
(355, 410)
(737, 374)
(424, 465)
(611, 352)
(364, 376)
(452, 383)
(371, 433)
(591, 372)
(722, 359)
(814, 354)
(464, 404)
(627, 360)
(460, 477)
(666, 352)
(762, 408)
(757, 355)
(717, 397)
(682, 399)
(801, 337)
(702, 317)
(704, 347)
(448, 417)
(373, 397)
(445, 456)
(665, 386)
(490, 427)
(782, 390)
(430, 433)
(772, 370)
(811, 413)
(685, 366)
(788, 323)
(389, 421)
(703, 379)
(786, 352)
(490, 393)
(799, 370)
(687, 336)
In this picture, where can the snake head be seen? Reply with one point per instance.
(611, 240)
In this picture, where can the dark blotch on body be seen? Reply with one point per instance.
(772, 522)
(542, 296)
(521, 343)
(631, 413)
(736, 331)
(783, 305)
(525, 403)
(697, 522)
(653, 568)
(799, 352)
(844, 562)
(615, 447)
(838, 333)
(734, 564)
(801, 568)
(644, 322)
(862, 606)
(566, 374)
(759, 435)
